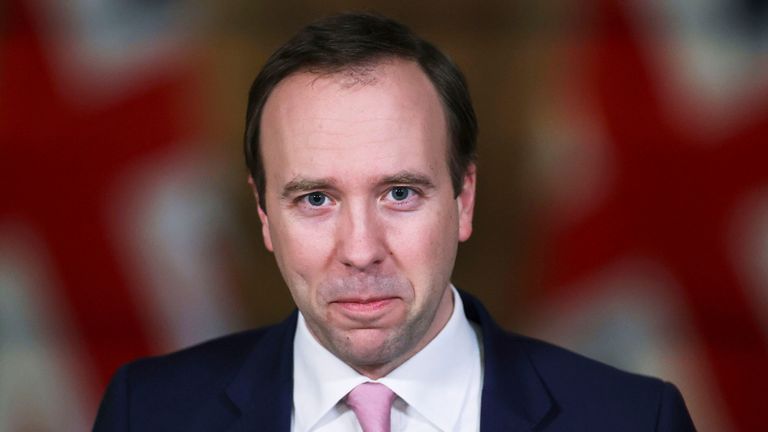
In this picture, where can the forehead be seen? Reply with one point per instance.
(368, 118)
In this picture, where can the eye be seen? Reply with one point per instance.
(316, 199)
(400, 193)
(403, 198)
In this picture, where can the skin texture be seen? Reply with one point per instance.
(362, 217)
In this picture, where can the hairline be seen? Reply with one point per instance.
(372, 62)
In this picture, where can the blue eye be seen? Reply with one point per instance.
(316, 199)
(400, 193)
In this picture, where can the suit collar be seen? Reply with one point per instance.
(263, 388)
(514, 397)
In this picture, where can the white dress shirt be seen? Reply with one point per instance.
(438, 389)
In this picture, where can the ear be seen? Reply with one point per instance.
(262, 216)
(466, 202)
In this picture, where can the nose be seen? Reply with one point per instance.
(361, 242)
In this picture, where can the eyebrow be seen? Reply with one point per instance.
(304, 185)
(299, 185)
(408, 178)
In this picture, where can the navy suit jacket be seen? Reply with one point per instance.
(244, 382)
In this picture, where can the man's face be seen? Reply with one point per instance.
(362, 216)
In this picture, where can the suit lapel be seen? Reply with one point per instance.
(514, 398)
(262, 390)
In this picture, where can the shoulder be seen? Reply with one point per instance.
(567, 372)
(547, 384)
(202, 364)
(163, 392)
(584, 390)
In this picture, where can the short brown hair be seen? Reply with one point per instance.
(355, 39)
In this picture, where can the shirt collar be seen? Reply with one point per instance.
(321, 379)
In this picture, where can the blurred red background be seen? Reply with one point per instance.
(623, 194)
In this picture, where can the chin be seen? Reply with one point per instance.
(372, 347)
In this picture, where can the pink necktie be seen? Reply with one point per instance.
(372, 403)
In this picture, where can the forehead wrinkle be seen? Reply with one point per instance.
(352, 128)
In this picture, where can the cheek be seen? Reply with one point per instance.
(426, 246)
(301, 249)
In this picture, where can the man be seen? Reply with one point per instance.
(360, 142)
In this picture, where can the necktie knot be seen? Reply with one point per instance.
(372, 404)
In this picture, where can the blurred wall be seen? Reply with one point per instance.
(622, 205)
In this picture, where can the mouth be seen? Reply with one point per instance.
(364, 306)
